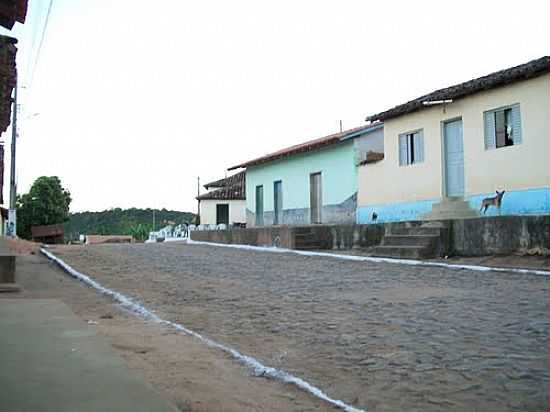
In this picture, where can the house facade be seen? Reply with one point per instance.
(313, 182)
(225, 204)
(450, 149)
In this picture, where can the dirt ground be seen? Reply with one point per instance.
(190, 375)
(379, 336)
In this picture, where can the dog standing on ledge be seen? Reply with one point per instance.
(492, 201)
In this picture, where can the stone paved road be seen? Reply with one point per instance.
(382, 337)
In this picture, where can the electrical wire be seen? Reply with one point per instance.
(43, 35)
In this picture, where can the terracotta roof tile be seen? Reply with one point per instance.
(8, 77)
(525, 71)
(227, 181)
(12, 11)
(305, 147)
(235, 192)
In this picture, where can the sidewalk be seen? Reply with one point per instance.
(52, 361)
(512, 261)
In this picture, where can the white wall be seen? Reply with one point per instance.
(372, 142)
(237, 212)
(523, 166)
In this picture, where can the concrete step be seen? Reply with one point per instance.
(450, 215)
(404, 252)
(308, 247)
(410, 240)
(416, 231)
(451, 208)
(9, 287)
(309, 235)
(305, 239)
(453, 205)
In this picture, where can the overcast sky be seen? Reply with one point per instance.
(137, 98)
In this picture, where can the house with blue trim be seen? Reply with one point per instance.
(312, 182)
(446, 151)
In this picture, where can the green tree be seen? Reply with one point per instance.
(140, 231)
(47, 203)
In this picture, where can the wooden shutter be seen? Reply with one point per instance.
(516, 124)
(403, 150)
(419, 147)
(490, 136)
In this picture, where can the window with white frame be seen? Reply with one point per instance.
(502, 127)
(411, 148)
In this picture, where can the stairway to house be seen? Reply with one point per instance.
(451, 208)
(413, 242)
(307, 239)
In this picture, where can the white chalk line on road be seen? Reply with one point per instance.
(411, 262)
(258, 368)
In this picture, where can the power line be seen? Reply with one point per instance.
(40, 44)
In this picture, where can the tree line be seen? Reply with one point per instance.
(135, 222)
(47, 203)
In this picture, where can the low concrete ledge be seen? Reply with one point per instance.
(7, 269)
(499, 235)
(465, 237)
(280, 236)
(323, 236)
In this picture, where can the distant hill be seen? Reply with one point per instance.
(121, 221)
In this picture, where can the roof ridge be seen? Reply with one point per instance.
(524, 71)
(307, 146)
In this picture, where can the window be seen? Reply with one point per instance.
(502, 127)
(411, 148)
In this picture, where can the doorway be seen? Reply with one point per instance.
(315, 197)
(259, 205)
(454, 158)
(278, 202)
(222, 214)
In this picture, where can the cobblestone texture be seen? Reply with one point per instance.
(382, 337)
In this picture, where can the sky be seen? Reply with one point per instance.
(132, 100)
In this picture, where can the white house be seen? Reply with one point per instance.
(225, 204)
(446, 151)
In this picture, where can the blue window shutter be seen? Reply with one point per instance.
(490, 135)
(419, 147)
(516, 124)
(402, 149)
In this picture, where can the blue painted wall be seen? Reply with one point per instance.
(518, 202)
(394, 212)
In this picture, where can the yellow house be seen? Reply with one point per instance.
(446, 151)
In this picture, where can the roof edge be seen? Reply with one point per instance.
(310, 146)
(500, 78)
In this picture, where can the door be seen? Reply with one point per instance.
(278, 202)
(454, 158)
(222, 214)
(259, 205)
(315, 197)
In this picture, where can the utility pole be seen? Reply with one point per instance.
(12, 219)
(198, 201)
(153, 220)
(340, 126)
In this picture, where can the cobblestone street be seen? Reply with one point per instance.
(379, 336)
